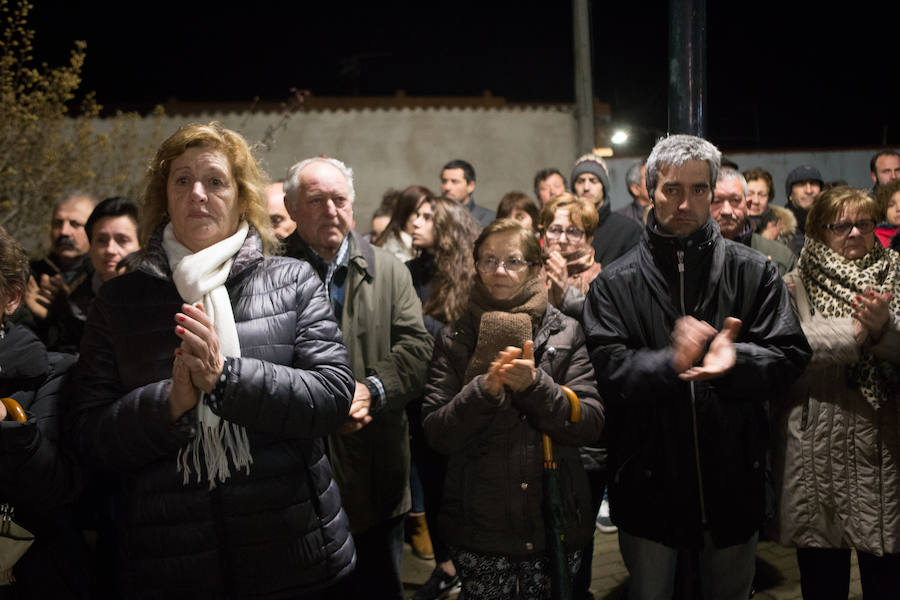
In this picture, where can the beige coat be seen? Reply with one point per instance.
(836, 458)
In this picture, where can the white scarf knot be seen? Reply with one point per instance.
(200, 277)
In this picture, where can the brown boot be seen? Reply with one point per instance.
(417, 532)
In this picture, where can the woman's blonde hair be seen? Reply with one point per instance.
(248, 177)
(582, 212)
(830, 203)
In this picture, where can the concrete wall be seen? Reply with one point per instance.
(397, 148)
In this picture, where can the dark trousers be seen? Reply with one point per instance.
(432, 469)
(379, 555)
(825, 574)
(582, 582)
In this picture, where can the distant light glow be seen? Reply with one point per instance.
(619, 137)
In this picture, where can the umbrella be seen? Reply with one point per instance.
(552, 508)
(14, 539)
(14, 410)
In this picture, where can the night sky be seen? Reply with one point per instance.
(780, 74)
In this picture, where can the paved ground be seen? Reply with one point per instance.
(777, 572)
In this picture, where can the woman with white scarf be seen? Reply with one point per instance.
(208, 380)
(837, 438)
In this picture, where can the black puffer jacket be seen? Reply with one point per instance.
(38, 477)
(493, 489)
(629, 315)
(275, 533)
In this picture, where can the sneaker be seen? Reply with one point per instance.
(440, 585)
(604, 523)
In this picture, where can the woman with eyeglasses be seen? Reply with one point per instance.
(566, 225)
(838, 434)
(493, 389)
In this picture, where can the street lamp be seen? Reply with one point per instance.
(619, 137)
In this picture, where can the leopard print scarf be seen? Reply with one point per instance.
(833, 282)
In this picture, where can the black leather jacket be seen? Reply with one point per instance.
(657, 457)
(277, 532)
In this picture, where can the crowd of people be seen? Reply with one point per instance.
(226, 391)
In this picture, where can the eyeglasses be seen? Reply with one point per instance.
(490, 264)
(573, 234)
(843, 228)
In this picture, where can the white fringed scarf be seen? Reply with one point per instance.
(200, 277)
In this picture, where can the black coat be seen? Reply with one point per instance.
(63, 327)
(493, 489)
(275, 533)
(38, 476)
(614, 236)
(628, 319)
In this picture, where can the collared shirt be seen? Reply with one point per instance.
(335, 279)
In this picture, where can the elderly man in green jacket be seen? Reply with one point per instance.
(381, 320)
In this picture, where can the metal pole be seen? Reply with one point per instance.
(687, 66)
(584, 86)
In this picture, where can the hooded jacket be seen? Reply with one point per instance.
(684, 457)
(276, 532)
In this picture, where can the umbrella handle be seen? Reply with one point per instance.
(574, 417)
(574, 404)
(14, 410)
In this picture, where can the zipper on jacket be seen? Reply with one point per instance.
(680, 254)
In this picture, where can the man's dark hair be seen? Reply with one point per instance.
(117, 206)
(467, 169)
(767, 217)
(879, 155)
(543, 174)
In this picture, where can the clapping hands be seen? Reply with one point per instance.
(689, 339)
(513, 368)
(871, 313)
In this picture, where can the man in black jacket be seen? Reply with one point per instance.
(59, 290)
(689, 335)
(615, 234)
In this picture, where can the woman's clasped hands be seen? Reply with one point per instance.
(198, 359)
(513, 368)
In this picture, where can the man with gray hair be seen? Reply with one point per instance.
(689, 335)
(640, 199)
(60, 289)
(730, 208)
(380, 317)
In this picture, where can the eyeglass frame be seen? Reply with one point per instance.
(501, 263)
(833, 227)
(555, 236)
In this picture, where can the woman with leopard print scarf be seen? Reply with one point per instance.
(837, 438)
